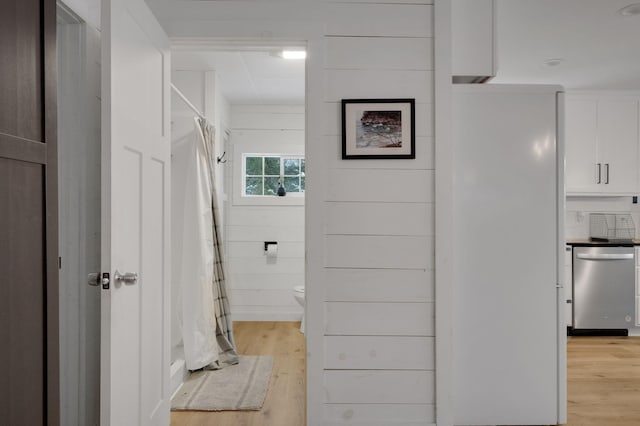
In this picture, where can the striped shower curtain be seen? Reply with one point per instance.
(227, 353)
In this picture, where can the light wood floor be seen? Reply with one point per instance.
(285, 401)
(603, 381)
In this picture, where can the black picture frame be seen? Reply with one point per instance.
(378, 129)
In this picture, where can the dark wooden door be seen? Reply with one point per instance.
(29, 358)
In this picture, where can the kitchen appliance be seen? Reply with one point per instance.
(617, 227)
(509, 332)
(604, 287)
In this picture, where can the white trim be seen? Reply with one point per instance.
(562, 285)
(443, 213)
(316, 188)
(237, 179)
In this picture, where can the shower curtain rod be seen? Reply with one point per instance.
(186, 101)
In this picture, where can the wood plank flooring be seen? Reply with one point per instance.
(285, 401)
(603, 375)
(603, 380)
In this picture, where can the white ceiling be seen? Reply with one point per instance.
(600, 47)
(249, 77)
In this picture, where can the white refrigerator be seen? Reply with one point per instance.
(509, 332)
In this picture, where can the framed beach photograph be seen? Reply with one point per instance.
(378, 128)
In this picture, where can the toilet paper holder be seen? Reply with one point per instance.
(268, 243)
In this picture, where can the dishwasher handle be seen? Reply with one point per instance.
(617, 256)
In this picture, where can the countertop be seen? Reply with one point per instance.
(587, 242)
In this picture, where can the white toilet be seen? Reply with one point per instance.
(298, 293)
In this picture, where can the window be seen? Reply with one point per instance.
(262, 174)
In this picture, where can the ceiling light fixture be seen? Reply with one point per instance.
(630, 10)
(294, 54)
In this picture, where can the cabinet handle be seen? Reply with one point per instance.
(607, 174)
(598, 174)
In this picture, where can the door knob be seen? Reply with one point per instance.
(93, 279)
(127, 277)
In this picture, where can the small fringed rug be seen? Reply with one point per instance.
(237, 387)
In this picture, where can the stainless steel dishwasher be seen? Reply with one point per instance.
(603, 287)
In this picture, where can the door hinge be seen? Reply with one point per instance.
(60, 262)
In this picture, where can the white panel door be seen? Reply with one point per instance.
(581, 131)
(136, 180)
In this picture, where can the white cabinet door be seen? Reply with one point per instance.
(618, 141)
(581, 132)
(601, 144)
(136, 160)
(473, 39)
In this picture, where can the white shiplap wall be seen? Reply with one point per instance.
(261, 289)
(379, 310)
(374, 299)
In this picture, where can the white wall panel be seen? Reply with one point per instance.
(379, 414)
(359, 53)
(424, 157)
(380, 218)
(270, 140)
(249, 281)
(261, 233)
(294, 217)
(393, 252)
(379, 20)
(379, 353)
(279, 119)
(383, 185)
(255, 250)
(379, 285)
(262, 288)
(265, 266)
(379, 387)
(379, 319)
(333, 118)
(265, 313)
(265, 298)
(347, 84)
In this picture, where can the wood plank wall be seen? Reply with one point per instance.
(373, 271)
(379, 310)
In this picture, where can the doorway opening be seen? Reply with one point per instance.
(255, 100)
(79, 158)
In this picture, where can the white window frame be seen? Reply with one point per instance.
(282, 157)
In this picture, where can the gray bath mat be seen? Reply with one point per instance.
(237, 387)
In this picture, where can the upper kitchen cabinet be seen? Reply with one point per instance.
(473, 40)
(601, 144)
